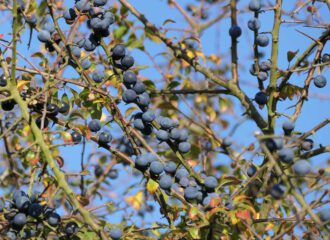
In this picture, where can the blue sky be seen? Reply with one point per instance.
(215, 40)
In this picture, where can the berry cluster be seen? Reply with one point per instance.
(28, 216)
(170, 176)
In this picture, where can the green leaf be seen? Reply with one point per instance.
(168, 21)
(194, 233)
(96, 111)
(151, 36)
(88, 235)
(289, 91)
(291, 55)
(173, 85)
(41, 8)
(121, 31)
(150, 85)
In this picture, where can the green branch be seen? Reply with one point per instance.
(273, 71)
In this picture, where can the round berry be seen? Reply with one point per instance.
(49, 26)
(52, 109)
(8, 105)
(63, 107)
(113, 174)
(143, 100)
(166, 123)
(156, 168)
(261, 98)
(277, 191)
(11, 235)
(3, 80)
(54, 219)
(22, 203)
(254, 5)
(98, 171)
(175, 134)
(69, 15)
(307, 144)
(165, 182)
(141, 163)
(274, 144)
(320, 81)
(76, 51)
(262, 40)
(180, 173)
(210, 183)
(139, 87)
(148, 116)
(184, 147)
(286, 155)
(265, 66)
(31, 20)
(251, 170)
(100, 3)
(235, 31)
(43, 36)
(162, 135)
(94, 125)
(104, 138)
(129, 78)
(254, 24)
(227, 142)
(19, 220)
(325, 215)
(35, 210)
(262, 76)
(190, 193)
(83, 5)
(116, 233)
(127, 62)
(170, 167)
(288, 127)
(39, 121)
(302, 167)
(71, 228)
(98, 76)
(129, 96)
(325, 58)
(118, 51)
(85, 64)
(183, 134)
(76, 137)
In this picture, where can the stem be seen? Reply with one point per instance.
(14, 54)
(273, 71)
(234, 71)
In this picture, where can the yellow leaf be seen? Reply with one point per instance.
(152, 186)
(103, 117)
(190, 54)
(270, 226)
(234, 220)
(21, 84)
(214, 58)
(200, 54)
(135, 201)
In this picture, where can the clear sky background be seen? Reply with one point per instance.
(214, 40)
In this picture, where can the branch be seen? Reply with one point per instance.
(271, 105)
(234, 71)
(180, 53)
